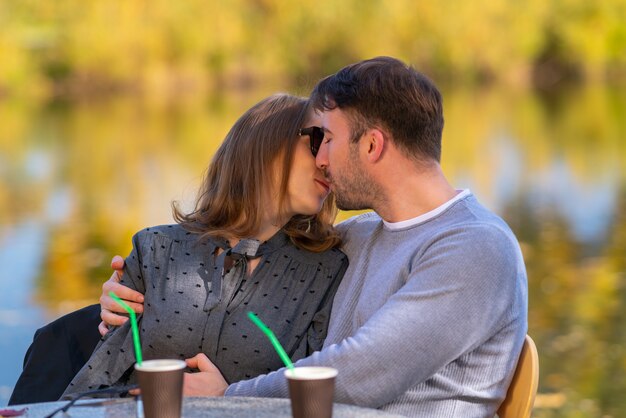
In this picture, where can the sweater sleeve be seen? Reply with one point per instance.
(459, 293)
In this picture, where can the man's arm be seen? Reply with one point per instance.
(110, 308)
(458, 296)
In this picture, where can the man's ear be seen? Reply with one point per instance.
(374, 144)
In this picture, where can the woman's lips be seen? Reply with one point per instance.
(324, 184)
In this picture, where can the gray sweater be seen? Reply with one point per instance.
(429, 319)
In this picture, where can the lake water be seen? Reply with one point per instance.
(77, 180)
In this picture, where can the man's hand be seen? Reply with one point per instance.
(208, 382)
(108, 306)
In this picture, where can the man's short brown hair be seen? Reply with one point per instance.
(386, 93)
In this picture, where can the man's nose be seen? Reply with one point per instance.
(321, 159)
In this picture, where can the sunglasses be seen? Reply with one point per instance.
(316, 136)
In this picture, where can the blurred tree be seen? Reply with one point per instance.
(164, 48)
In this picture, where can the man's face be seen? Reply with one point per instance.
(341, 163)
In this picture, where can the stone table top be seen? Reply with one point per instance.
(193, 408)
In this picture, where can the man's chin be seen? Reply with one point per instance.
(342, 205)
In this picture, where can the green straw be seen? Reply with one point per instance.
(133, 326)
(279, 348)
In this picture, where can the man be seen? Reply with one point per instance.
(431, 315)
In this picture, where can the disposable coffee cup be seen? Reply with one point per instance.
(161, 384)
(311, 390)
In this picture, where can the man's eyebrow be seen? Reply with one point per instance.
(326, 130)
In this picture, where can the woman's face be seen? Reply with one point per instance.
(306, 189)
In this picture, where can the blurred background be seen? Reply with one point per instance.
(109, 110)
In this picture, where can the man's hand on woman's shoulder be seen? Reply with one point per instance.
(110, 308)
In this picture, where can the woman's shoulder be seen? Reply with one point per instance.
(173, 232)
(166, 236)
(171, 241)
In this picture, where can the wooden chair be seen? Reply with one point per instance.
(520, 396)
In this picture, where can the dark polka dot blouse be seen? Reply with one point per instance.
(197, 296)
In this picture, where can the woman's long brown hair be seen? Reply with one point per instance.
(229, 202)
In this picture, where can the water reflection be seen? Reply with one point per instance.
(76, 181)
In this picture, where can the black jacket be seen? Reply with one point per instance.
(57, 353)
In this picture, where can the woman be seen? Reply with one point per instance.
(260, 239)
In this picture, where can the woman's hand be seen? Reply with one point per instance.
(110, 308)
(207, 382)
